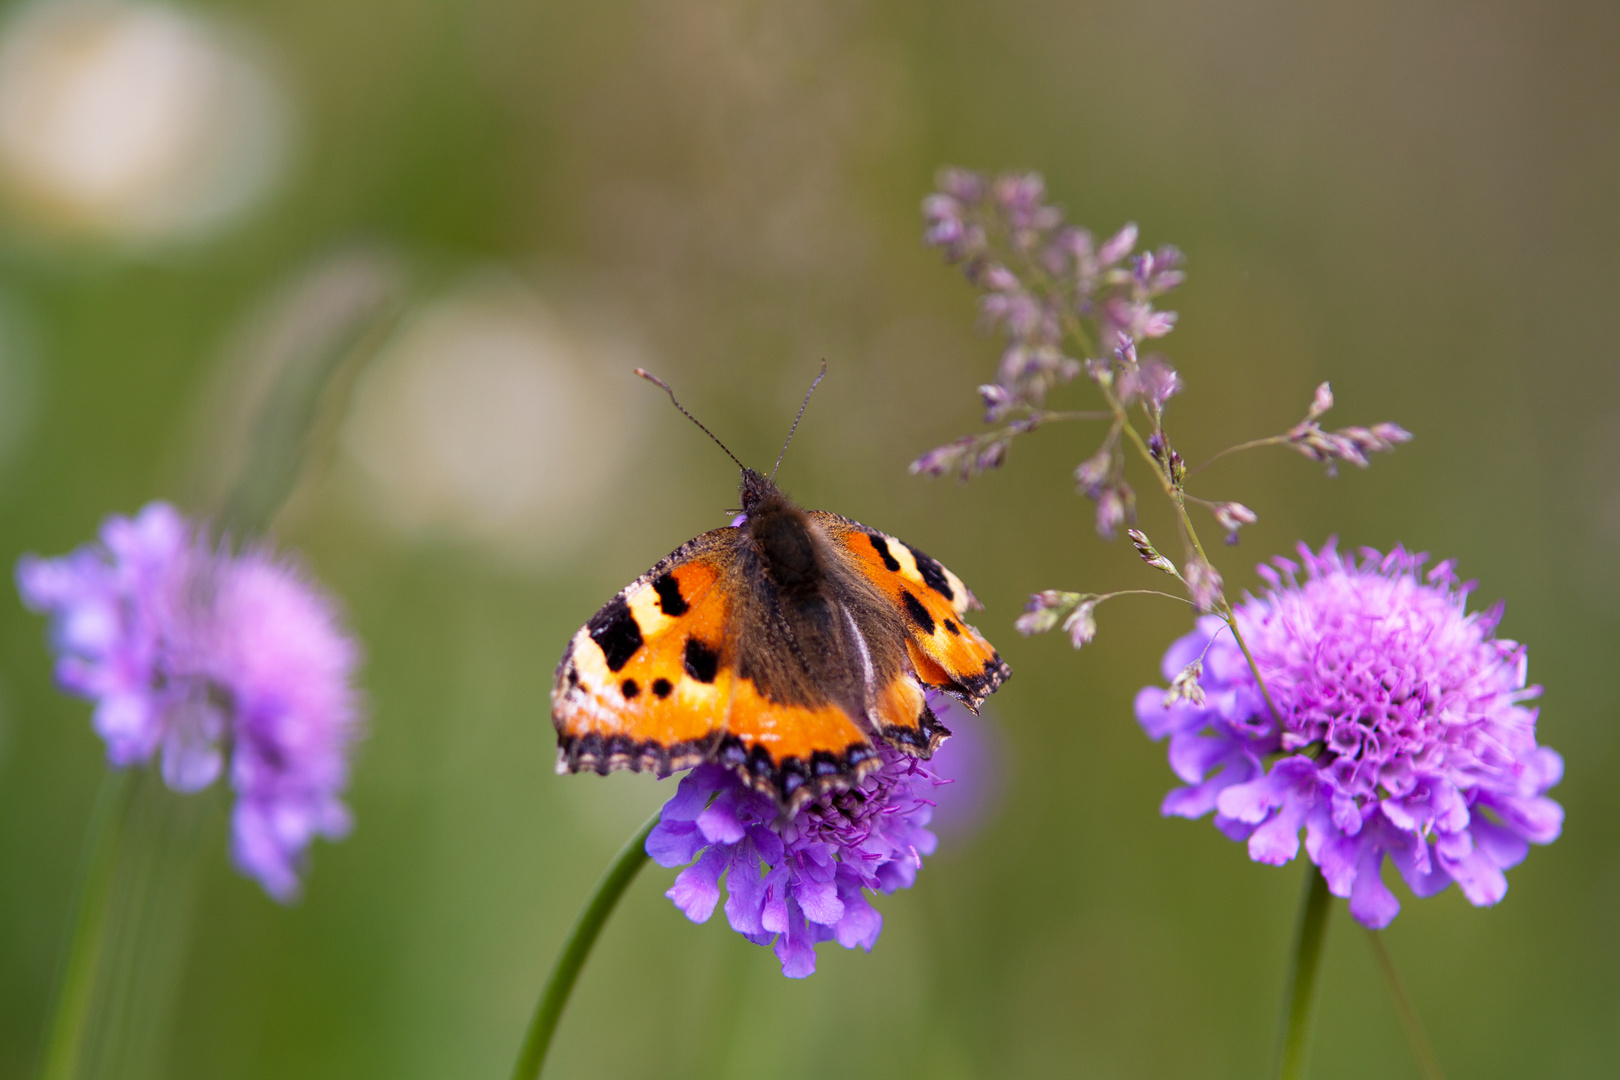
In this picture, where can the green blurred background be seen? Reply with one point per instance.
(1414, 200)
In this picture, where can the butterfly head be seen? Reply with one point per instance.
(759, 494)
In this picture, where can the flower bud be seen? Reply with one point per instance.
(1321, 403)
(998, 401)
(963, 184)
(1150, 554)
(1118, 246)
(1082, 623)
(1185, 686)
(1112, 510)
(1091, 473)
(1232, 516)
(1044, 610)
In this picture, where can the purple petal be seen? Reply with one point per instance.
(1371, 902)
(746, 891)
(697, 888)
(1251, 802)
(1414, 857)
(674, 843)
(1192, 756)
(1480, 879)
(1538, 819)
(692, 794)
(1159, 721)
(1501, 845)
(1277, 840)
(719, 823)
(819, 901)
(794, 946)
(861, 922)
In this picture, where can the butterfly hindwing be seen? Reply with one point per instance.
(946, 652)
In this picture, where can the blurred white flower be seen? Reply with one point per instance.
(134, 121)
(489, 419)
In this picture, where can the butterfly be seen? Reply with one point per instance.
(786, 647)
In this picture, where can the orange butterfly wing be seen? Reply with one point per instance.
(641, 685)
(650, 683)
(946, 653)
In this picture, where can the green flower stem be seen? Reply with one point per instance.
(577, 949)
(1428, 1063)
(1178, 499)
(1294, 1047)
(69, 1031)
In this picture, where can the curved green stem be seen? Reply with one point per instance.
(81, 967)
(1143, 592)
(1252, 444)
(577, 949)
(1294, 1047)
(1428, 1063)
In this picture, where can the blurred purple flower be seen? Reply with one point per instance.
(1403, 731)
(795, 883)
(192, 653)
(970, 767)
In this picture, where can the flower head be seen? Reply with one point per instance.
(800, 881)
(1403, 731)
(193, 654)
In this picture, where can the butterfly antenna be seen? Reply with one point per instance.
(796, 419)
(662, 385)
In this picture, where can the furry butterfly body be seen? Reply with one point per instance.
(785, 648)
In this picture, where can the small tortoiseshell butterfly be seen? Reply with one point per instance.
(783, 646)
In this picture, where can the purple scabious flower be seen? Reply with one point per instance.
(797, 882)
(1403, 730)
(193, 654)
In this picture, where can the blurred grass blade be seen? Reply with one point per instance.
(314, 349)
(77, 985)
(129, 932)
(1422, 1049)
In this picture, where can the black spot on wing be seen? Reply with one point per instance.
(669, 595)
(918, 613)
(933, 574)
(955, 631)
(662, 687)
(882, 547)
(702, 662)
(616, 632)
(629, 688)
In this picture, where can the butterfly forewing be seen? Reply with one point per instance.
(642, 683)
